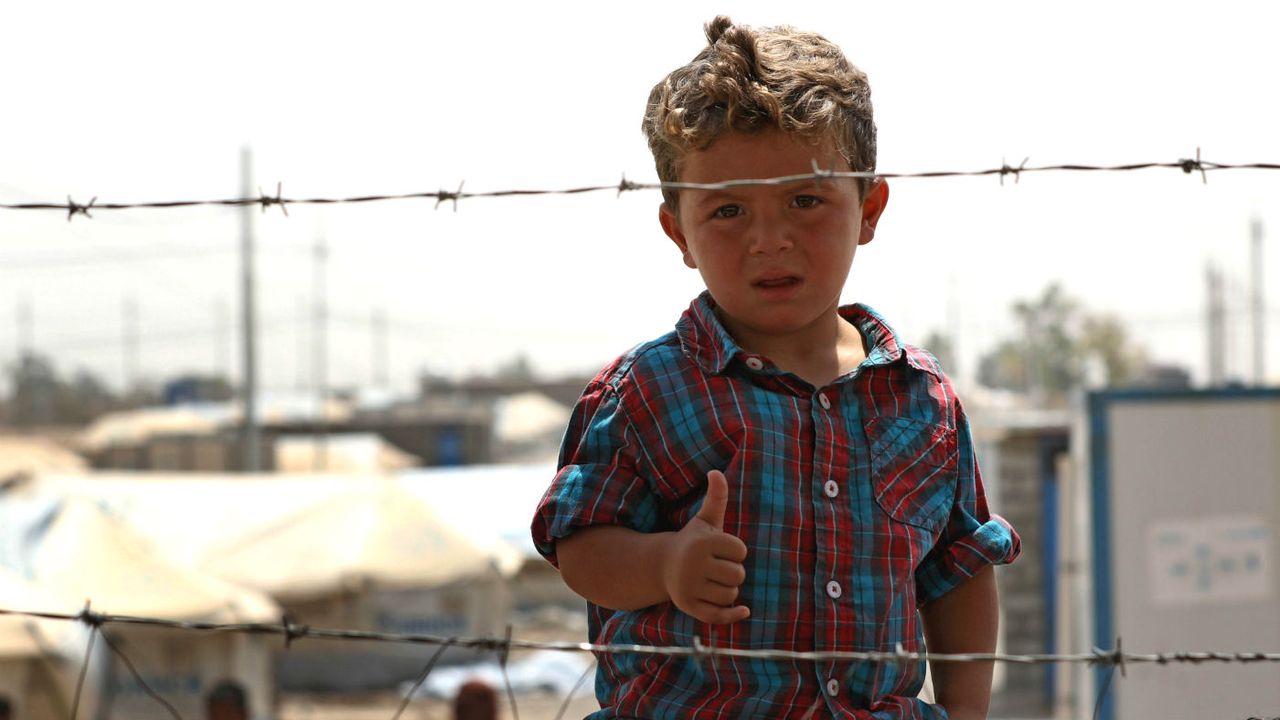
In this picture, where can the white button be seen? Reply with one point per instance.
(831, 488)
(822, 400)
(755, 363)
(833, 687)
(833, 589)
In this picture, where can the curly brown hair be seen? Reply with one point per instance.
(748, 80)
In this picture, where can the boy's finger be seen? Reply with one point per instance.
(726, 573)
(713, 505)
(717, 615)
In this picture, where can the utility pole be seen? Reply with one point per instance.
(381, 354)
(131, 344)
(1259, 304)
(301, 378)
(250, 436)
(26, 328)
(320, 361)
(1215, 319)
(221, 347)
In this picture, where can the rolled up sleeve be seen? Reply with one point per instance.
(599, 480)
(973, 538)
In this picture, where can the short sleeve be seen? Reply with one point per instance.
(599, 481)
(972, 538)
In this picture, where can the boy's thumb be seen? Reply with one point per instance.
(713, 505)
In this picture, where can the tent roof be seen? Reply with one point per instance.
(19, 634)
(20, 454)
(342, 453)
(75, 552)
(377, 533)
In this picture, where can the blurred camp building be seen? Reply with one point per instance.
(1146, 513)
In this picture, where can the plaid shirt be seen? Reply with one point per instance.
(859, 502)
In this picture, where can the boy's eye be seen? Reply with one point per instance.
(728, 211)
(806, 201)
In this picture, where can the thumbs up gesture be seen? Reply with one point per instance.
(703, 567)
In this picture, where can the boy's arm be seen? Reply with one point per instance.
(699, 567)
(964, 620)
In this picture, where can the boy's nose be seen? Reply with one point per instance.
(768, 236)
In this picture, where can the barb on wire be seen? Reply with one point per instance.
(1186, 165)
(626, 185)
(267, 201)
(73, 209)
(444, 195)
(291, 631)
(1189, 165)
(1015, 172)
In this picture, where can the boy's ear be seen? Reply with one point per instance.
(872, 207)
(671, 226)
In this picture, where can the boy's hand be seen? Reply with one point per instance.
(704, 564)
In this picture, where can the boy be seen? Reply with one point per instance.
(780, 472)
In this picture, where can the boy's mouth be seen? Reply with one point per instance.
(776, 282)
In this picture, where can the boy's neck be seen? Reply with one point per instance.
(817, 354)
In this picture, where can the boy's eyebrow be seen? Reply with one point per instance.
(703, 196)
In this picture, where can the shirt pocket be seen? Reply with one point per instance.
(913, 469)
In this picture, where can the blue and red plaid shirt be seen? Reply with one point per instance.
(859, 502)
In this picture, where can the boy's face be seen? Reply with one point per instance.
(775, 258)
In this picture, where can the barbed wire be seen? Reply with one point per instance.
(293, 631)
(1115, 658)
(265, 201)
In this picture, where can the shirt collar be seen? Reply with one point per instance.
(706, 342)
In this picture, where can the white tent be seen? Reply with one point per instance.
(377, 533)
(73, 551)
(30, 653)
(340, 453)
(23, 455)
(373, 557)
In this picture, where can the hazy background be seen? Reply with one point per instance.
(150, 101)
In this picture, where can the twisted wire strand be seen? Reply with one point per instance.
(502, 645)
(1186, 165)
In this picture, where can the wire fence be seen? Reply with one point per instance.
(1113, 659)
(265, 201)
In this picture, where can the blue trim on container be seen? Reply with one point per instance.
(1103, 633)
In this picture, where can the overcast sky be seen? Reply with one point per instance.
(152, 101)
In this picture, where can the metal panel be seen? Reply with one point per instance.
(1186, 507)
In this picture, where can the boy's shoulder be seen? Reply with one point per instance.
(877, 331)
(659, 357)
(922, 359)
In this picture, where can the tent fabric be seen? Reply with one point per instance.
(382, 535)
(134, 427)
(22, 455)
(341, 453)
(20, 635)
(81, 553)
(193, 519)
